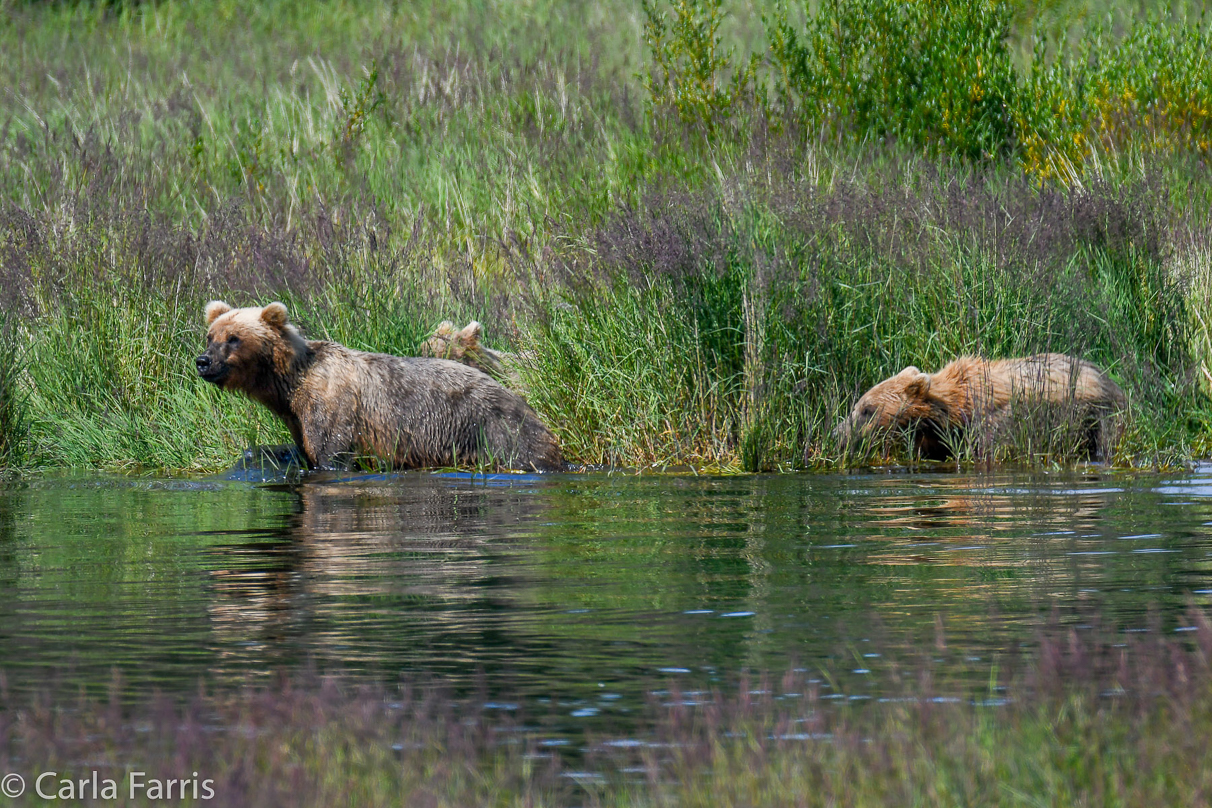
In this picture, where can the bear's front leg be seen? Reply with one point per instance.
(327, 438)
(296, 435)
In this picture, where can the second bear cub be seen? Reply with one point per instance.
(341, 405)
(974, 393)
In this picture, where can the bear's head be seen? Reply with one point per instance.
(448, 341)
(245, 347)
(897, 402)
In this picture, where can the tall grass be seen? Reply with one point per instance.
(13, 406)
(702, 255)
(760, 309)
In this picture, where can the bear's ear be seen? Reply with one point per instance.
(471, 332)
(215, 309)
(910, 371)
(918, 386)
(274, 314)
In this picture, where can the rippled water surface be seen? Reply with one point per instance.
(578, 590)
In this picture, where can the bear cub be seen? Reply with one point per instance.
(342, 405)
(972, 393)
(463, 345)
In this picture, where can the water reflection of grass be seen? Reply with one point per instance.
(570, 582)
(1090, 719)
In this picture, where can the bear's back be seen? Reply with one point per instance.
(427, 412)
(1056, 378)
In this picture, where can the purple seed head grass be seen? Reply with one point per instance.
(1113, 700)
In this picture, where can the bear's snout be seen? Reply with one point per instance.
(209, 370)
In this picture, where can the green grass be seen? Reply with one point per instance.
(13, 406)
(703, 254)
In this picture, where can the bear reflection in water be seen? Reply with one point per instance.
(425, 548)
(265, 463)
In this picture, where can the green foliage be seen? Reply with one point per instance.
(355, 108)
(110, 367)
(14, 424)
(934, 74)
(1081, 724)
(942, 77)
(755, 319)
(691, 71)
(112, 387)
(1145, 93)
(624, 373)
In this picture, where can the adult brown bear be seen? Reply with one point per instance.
(343, 405)
(972, 393)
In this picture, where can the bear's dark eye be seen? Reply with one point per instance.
(867, 412)
(232, 342)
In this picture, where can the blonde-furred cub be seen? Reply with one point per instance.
(975, 393)
(448, 341)
(341, 405)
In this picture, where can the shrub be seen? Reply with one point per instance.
(934, 74)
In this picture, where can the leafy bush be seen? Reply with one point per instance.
(935, 74)
(690, 65)
(941, 77)
(1146, 93)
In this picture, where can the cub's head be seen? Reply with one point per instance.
(448, 341)
(246, 346)
(896, 402)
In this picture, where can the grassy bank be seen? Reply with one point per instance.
(1088, 718)
(704, 256)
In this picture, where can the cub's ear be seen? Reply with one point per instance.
(471, 332)
(274, 314)
(215, 309)
(910, 371)
(918, 386)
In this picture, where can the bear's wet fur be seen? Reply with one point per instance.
(342, 405)
(971, 393)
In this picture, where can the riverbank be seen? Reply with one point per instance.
(708, 283)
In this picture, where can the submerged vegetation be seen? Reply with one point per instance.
(1092, 717)
(705, 228)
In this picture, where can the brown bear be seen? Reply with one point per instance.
(448, 341)
(342, 405)
(937, 408)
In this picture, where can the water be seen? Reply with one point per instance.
(579, 595)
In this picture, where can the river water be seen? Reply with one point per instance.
(580, 593)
